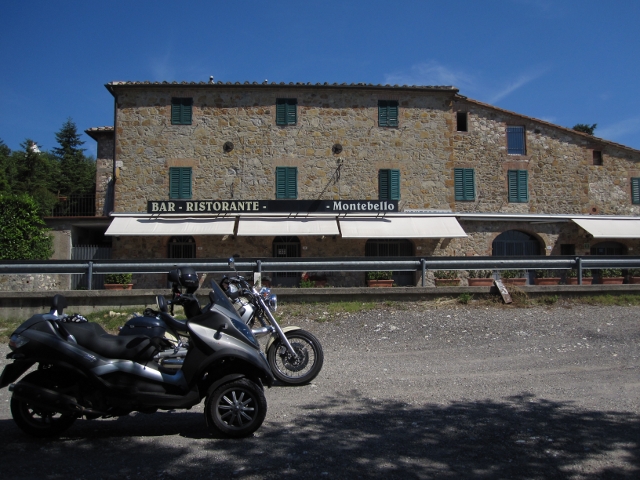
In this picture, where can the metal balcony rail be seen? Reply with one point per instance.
(352, 264)
(75, 206)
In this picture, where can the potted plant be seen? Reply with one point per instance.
(611, 276)
(634, 275)
(118, 281)
(513, 277)
(312, 281)
(380, 279)
(572, 277)
(546, 277)
(446, 278)
(480, 278)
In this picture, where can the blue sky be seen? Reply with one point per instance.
(565, 62)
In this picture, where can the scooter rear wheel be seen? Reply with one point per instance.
(236, 409)
(37, 420)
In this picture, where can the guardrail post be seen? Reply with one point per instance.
(424, 271)
(579, 265)
(89, 275)
(259, 263)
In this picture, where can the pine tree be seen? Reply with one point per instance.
(585, 128)
(78, 172)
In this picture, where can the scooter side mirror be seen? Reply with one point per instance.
(162, 303)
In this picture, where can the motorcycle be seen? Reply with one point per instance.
(85, 372)
(294, 355)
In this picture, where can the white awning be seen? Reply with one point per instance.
(255, 227)
(121, 226)
(399, 227)
(610, 228)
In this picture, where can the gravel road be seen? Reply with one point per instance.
(425, 391)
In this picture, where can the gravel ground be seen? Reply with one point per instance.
(425, 391)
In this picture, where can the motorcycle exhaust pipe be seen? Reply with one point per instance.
(49, 399)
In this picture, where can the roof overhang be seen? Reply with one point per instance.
(401, 227)
(141, 226)
(273, 226)
(609, 227)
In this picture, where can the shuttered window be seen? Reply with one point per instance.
(286, 182)
(286, 111)
(635, 190)
(387, 113)
(465, 189)
(516, 144)
(389, 184)
(180, 182)
(518, 186)
(181, 109)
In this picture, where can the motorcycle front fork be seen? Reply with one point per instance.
(271, 329)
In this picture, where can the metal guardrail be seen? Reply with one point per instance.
(353, 264)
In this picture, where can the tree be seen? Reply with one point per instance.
(37, 174)
(585, 128)
(78, 172)
(7, 168)
(23, 234)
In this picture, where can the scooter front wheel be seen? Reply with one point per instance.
(236, 409)
(302, 368)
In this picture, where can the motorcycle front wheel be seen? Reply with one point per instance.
(236, 409)
(301, 369)
(38, 420)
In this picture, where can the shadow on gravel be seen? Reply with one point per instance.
(349, 437)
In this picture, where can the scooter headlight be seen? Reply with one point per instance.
(17, 341)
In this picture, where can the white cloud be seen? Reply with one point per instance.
(430, 73)
(619, 129)
(518, 83)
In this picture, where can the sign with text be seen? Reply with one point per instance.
(182, 207)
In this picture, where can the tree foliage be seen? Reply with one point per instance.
(23, 235)
(77, 171)
(585, 128)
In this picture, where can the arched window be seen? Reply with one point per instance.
(182, 247)
(515, 243)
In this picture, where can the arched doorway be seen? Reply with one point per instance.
(286, 247)
(392, 248)
(515, 243)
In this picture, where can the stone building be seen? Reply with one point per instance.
(210, 170)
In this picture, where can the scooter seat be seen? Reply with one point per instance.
(93, 337)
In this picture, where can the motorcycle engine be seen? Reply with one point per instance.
(244, 308)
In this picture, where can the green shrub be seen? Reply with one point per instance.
(573, 273)
(480, 273)
(446, 274)
(547, 273)
(23, 234)
(380, 275)
(118, 278)
(511, 273)
(611, 272)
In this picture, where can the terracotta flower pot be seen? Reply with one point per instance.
(480, 282)
(634, 280)
(515, 281)
(574, 281)
(547, 281)
(118, 286)
(447, 282)
(380, 283)
(611, 280)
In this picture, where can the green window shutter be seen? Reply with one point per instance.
(464, 181)
(635, 191)
(394, 191)
(389, 184)
(180, 182)
(383, 184)
(181, 111)
(286, 182)
(286, 111)
(518, 186)
(387, 113)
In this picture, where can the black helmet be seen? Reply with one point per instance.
(185, 277)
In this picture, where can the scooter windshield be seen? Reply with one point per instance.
(220, 300)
